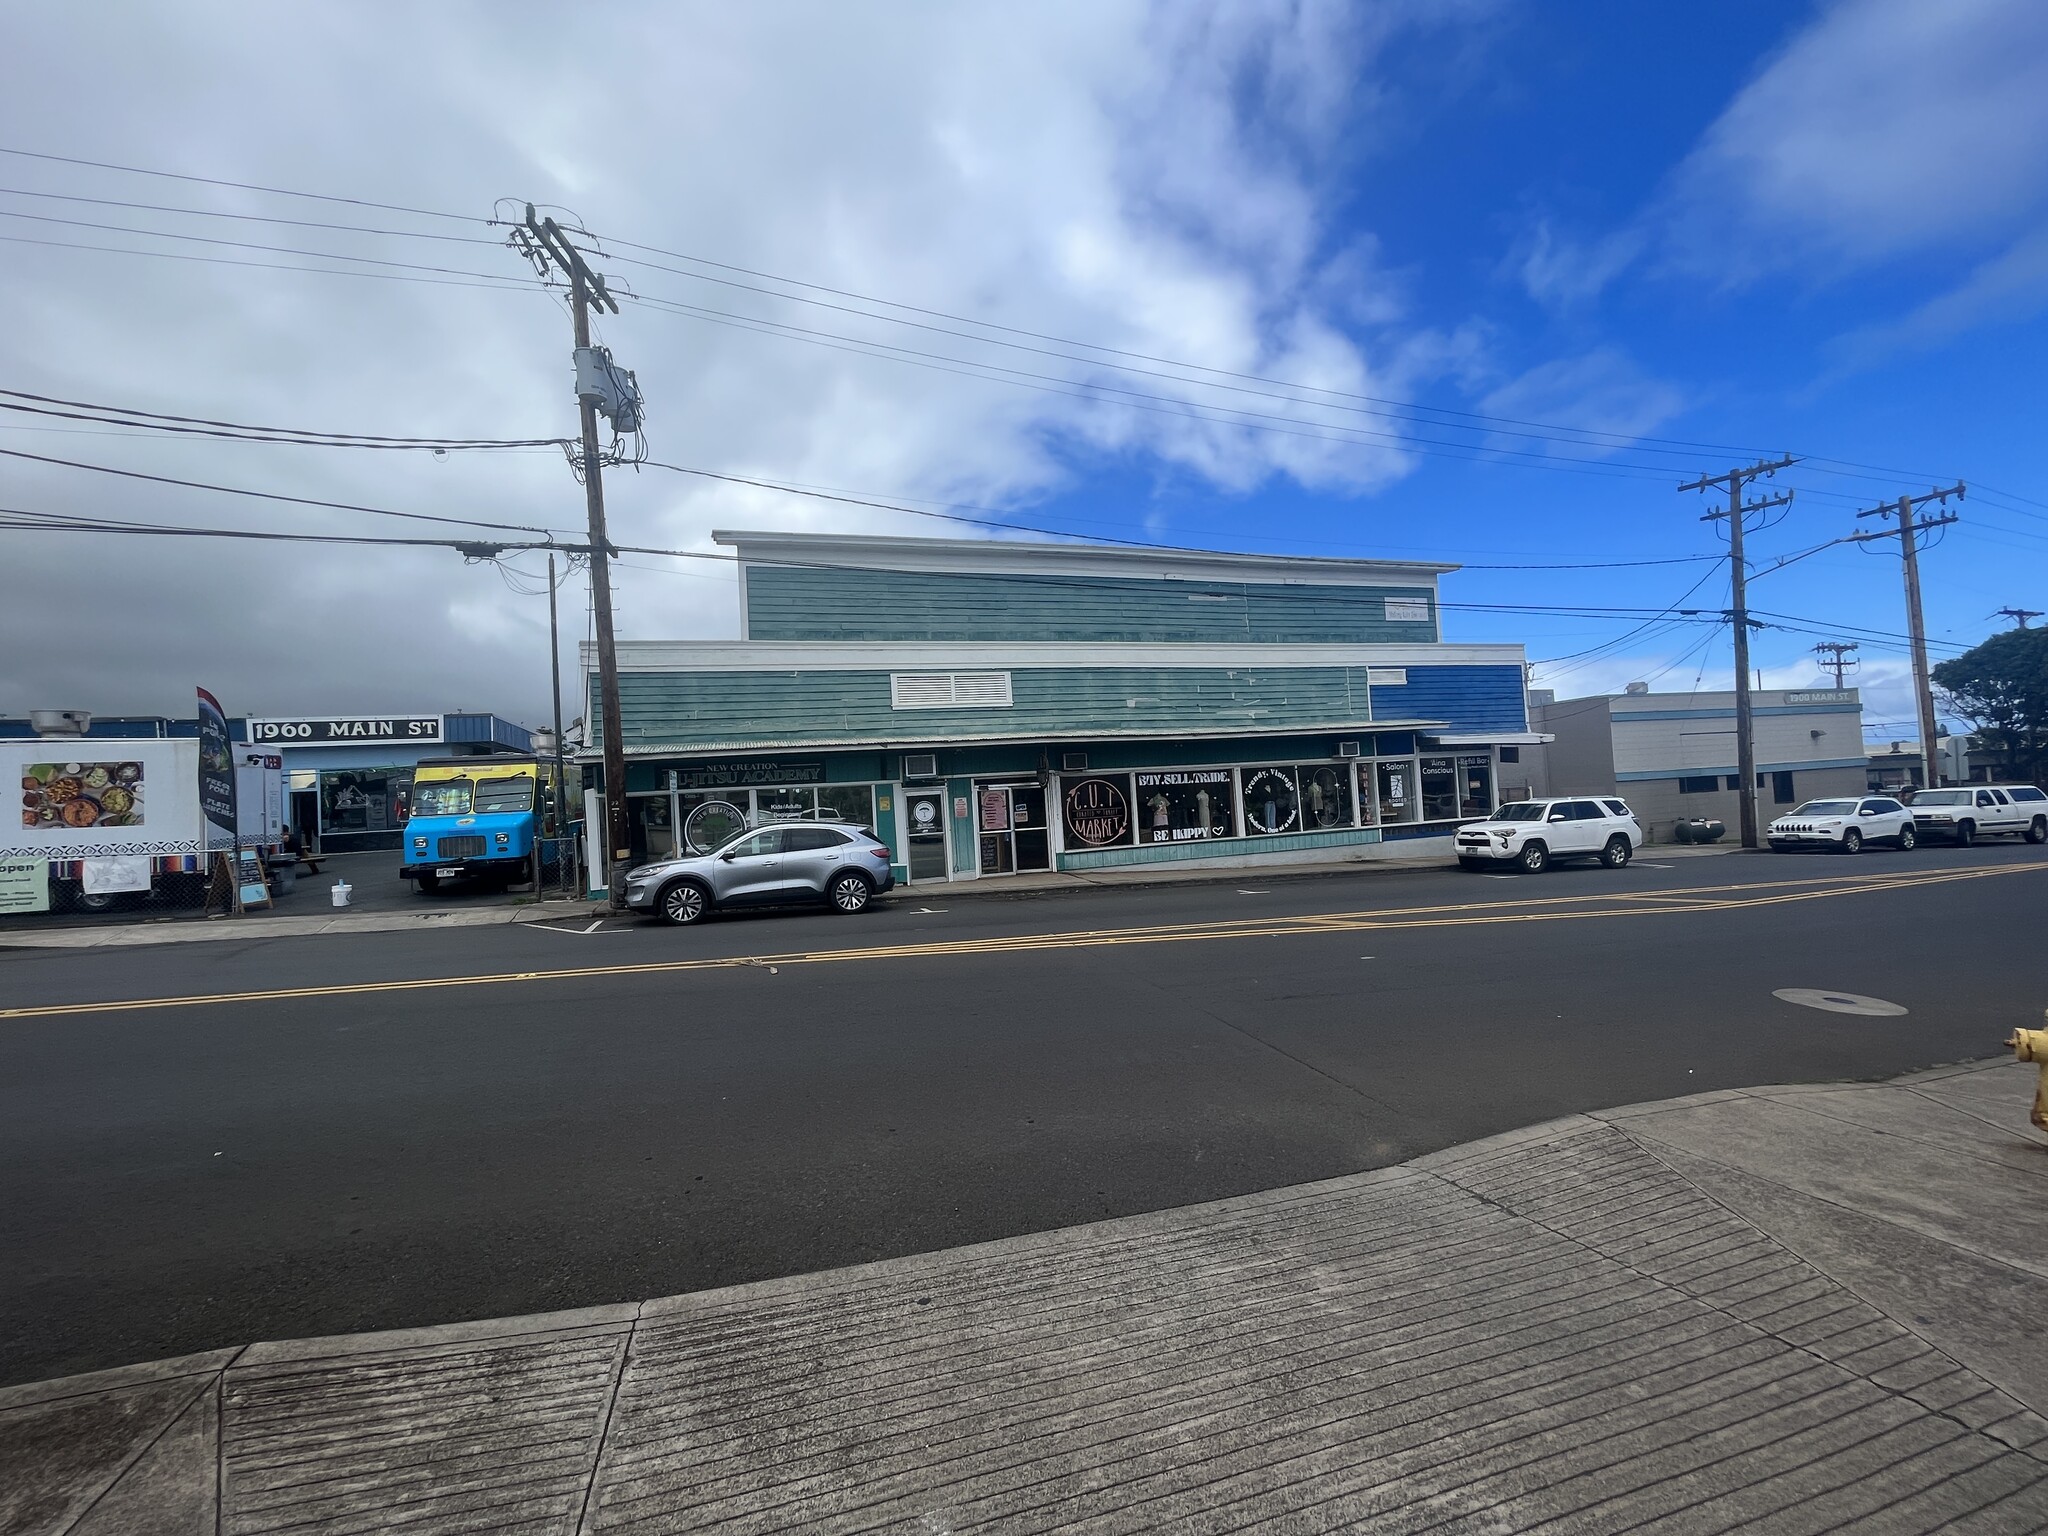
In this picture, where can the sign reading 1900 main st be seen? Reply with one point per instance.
(348, 731)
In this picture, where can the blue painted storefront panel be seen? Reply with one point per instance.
(1466, 698)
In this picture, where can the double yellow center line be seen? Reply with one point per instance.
(1702, 898)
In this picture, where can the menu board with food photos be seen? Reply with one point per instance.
(80, 794)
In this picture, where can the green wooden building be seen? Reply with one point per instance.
(992, 708)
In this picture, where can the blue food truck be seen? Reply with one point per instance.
(474, 818)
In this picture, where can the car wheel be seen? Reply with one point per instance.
(2037, 830)
(684, 903)
(1966, 833)
(1616, 854)
(1533, 859)
(1908, 838)
(429, 884)
(850, 893)
(1471, 863)
(1852, 841)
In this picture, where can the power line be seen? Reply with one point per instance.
(237, 490)
(160, 421)
(239, 186)
(494, 284)
(252, 218)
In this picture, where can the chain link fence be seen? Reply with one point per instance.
(560, 862)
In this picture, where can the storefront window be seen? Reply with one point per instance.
(1397, 796)
(648, 823)
(709, 818)
(1325, 797)
(1368, 797)
(849, 802)
(1097, 811)
(1475, 786)
(784, 804)
(1439, 789)
(1272, 800)
(365, 799)
(1188, 805)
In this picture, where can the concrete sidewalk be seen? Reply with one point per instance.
(1795, 1309)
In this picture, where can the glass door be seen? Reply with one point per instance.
(1010, 828)
(924, 817)
(1029, 833)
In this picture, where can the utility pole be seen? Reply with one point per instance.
(1908, 534)
(1738, 615)
(562, 817)
(1835, 654)
(544, 243)
(2018, 615)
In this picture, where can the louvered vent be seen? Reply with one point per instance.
(949, 690)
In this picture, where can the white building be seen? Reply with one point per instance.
(1673, 755)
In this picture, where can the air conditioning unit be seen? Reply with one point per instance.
(60, 722)
(1073, 762)
(1347, 749)
(920, 765)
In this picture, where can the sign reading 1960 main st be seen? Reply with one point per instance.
(347, 731)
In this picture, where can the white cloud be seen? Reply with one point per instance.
(1885, 127)
(1600, 392)
(1144, 176)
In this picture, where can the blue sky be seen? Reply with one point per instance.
(1390, 228)
(1531, 154)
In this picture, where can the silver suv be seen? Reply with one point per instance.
(802, 861)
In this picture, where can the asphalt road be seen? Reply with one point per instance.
(204, 1143)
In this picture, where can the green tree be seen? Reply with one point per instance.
(2001, 688)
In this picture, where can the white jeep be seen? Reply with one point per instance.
(1970, 811)
(1844, 825)
(1532, 834)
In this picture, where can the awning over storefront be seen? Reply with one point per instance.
(1491, 739)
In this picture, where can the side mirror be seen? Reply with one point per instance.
(1866, 811)
(1557, 816)
(727, 858)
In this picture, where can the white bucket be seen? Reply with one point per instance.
(341, 892)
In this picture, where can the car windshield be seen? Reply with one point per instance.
(1519, 810)
(443, 797)
(1942, 797)
(514, 794)
(1827, 808)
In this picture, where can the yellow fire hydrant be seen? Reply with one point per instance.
(2032, 1045)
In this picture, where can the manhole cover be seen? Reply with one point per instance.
(1839, 1002)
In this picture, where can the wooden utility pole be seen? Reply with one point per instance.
(1908, 534)
(548, 246)
(1738, 616)
(1835, 654)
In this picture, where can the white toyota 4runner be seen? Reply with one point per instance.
(1971, 811)
(1530, 834)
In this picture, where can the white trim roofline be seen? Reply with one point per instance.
(1020, 655)
(763, 547)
